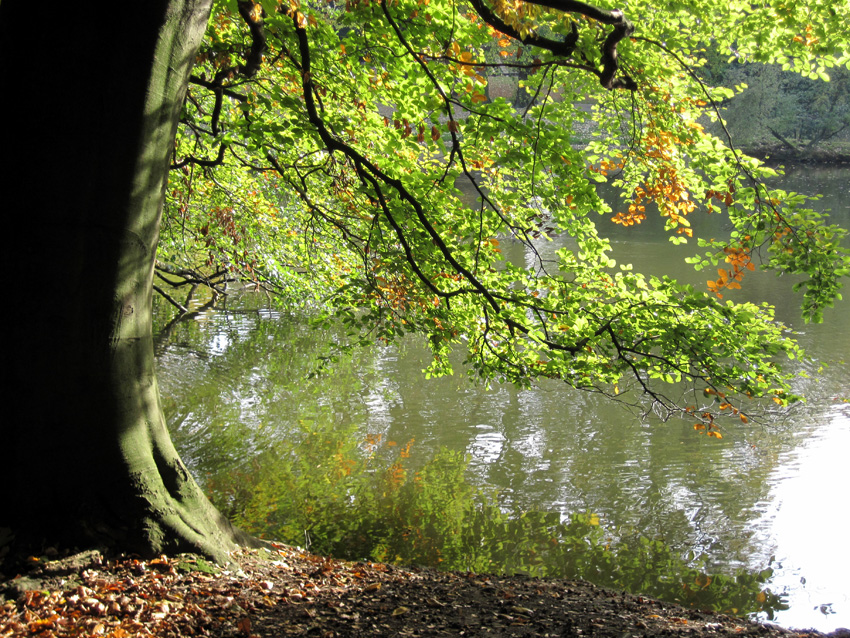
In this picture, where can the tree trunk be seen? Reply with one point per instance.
(91, 99)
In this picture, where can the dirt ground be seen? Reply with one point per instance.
(287, 592)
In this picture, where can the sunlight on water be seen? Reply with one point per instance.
(811, 497)
(487, 447)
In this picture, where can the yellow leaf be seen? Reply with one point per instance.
(703, 580)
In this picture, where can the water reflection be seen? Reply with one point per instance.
(232, 382)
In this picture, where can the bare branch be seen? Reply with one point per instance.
(623, 28)
(202, 162)
(183, 309)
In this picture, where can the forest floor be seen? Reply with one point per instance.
(287, 592)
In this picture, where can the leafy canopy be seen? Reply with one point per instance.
(323, 144)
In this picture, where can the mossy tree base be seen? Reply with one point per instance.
(85, 457)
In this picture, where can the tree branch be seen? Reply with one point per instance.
(183, 309)
(623, 28)
(189, 159)
(335, 144)
(781, 138)
(563, 48)
(252, 15)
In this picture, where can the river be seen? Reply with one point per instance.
(762, 496)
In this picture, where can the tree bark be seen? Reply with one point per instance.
(91, 99)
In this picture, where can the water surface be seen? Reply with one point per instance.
(764, 495)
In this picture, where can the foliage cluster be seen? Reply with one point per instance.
(321, 146)
(366, 500)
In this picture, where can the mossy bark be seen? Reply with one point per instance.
(85, 457)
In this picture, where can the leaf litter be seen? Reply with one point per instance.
(284, 591)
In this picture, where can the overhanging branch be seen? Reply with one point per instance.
(622, 28)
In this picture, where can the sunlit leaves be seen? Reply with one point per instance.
(339, 185)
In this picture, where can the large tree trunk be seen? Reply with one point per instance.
(90, 103)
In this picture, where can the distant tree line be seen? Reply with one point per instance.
(782, 110)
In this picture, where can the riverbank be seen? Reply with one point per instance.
(287, 592)
(825, 154)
